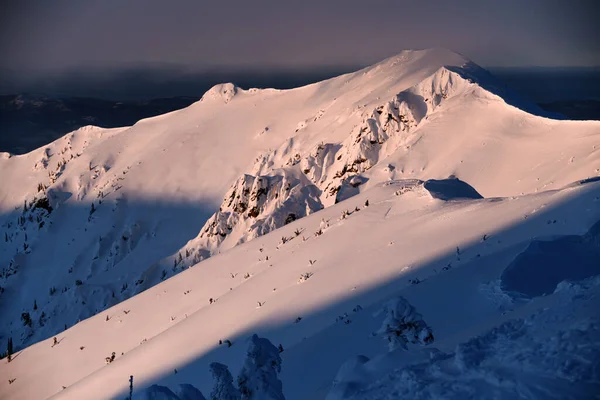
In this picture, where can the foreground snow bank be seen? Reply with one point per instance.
(553, 353)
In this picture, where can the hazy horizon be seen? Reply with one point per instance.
(110, 49)
(540, 84)
(44, 38)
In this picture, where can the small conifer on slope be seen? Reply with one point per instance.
(9, 349)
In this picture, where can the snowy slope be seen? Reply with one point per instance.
(360, 260)
(153, 186)
(257, 160)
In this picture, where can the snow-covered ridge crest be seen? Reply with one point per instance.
(327, 167)
(334, 171)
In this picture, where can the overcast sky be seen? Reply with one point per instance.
(61, 35)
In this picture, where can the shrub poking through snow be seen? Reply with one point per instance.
(26, 318)
(304, 277)
(110, 359)
(258, 378)
(403, 325)
(223, 388)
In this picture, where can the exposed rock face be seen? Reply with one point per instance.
(254, 206)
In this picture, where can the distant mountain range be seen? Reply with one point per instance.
(28, 121)
(575, 109)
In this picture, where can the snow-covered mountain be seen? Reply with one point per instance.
(416, 177)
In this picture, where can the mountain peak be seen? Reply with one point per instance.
(223, 91)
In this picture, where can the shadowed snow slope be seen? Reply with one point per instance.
(274, 185)
(540, 268)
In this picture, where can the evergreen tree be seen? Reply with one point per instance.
(9, 349)
(35, 305)
(26, 318)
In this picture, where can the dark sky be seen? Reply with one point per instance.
(39, 37)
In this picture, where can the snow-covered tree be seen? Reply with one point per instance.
(258, 378)
(223, 388)
(403, 325)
